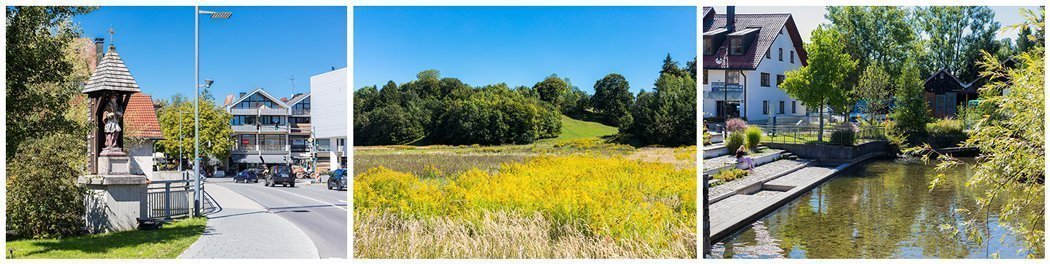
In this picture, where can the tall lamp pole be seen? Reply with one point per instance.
(196, 100)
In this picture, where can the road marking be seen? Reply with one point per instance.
(332, 204)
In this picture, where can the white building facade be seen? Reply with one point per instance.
(329, 115)
(745, 63)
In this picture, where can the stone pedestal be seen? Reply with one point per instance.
(114, 165)
(113, 202)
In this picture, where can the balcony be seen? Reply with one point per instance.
(259, 129)
(256, 111)
(264, 149)
(720, 91)
(301, 112)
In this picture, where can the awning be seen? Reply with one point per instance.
(259, 159)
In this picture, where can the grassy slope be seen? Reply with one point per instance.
(573, 129)
(166, 242)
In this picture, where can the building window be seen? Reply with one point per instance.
(254, 101)
(323, 145)
(768, 55)
(780, 79)
(793, 107)
(781, 108)
(792, 57)
(733, 77)
(246, 142)
(765, 79)
(705, 76)
(709, 46)
(736, 46)
(302, 107)
(781, 55)
(765, 107)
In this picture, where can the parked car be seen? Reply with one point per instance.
(246, 176)
(280, 174)
(338, 180)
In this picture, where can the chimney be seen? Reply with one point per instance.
(730, 19)
(98, 49)
(241, 95)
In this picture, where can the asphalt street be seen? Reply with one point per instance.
(319, 212)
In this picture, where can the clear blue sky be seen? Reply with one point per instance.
(257, 47)
(520, 45)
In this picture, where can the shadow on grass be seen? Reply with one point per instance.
(126, 244)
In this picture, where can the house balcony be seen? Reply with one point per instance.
(301, 112)
(262, 129)
(720, 91)
(256, 111)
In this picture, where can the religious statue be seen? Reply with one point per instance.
(111, 117)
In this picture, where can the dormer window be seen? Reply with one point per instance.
(709, 46)
(736, 46)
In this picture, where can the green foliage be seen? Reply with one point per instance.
(874, 35)
(911, 112)
(945, 133)
(954, 38)
(43, 199)
(552, 89)
(215, 131)
(612, 99)
(666, 116)
(874, 88)
(823, 81)
(843, 137)
(735, 140)
(43, 74)
(754, 137)
(728, 175)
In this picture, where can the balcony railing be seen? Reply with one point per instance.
(258, 129)
(256, 111)
(261, 148)
(300, 111)
(720, 91)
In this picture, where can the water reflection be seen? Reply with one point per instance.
(883, 209)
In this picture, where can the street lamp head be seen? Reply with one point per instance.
(208, 82)
(221, 15)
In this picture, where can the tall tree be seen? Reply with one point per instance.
(874, 34)
(911, 112)
(552, 89)
(954, 37)
(874, 88)
(670, 66)
(612, 99)
(1024, 41)
(691, 68)
(823, 81)
(177, 125)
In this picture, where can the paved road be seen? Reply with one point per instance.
(319, 212)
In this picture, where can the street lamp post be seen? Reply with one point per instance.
(196, 100)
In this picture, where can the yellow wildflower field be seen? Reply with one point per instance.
(546, 206)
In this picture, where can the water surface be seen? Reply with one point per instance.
(882, 209)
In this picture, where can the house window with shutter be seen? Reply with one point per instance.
(792, 57)
(781, 108)
(765, 79)
(765, 107)
(780, 56)
(780, 79)
(793, 107)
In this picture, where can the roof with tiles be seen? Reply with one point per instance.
(111, 75)
(768, 26)
(140, 118)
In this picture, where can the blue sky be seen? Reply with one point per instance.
(520, 45)
(257, 47)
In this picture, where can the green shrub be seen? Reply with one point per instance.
(754, 136)
(735, 124)
(734, 141)
(945, 133)
(728, 175)
(43, 198)
(843, 137)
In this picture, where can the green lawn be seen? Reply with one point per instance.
(573, 129)
(166, 242)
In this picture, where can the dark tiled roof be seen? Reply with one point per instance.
(140, 118)
(111, 75)
(769, 26)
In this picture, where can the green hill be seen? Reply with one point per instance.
(573, 129)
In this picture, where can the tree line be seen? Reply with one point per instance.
(436, 110)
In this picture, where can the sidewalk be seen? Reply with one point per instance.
(241, 228)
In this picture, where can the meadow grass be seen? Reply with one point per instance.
(573, 129)
(164, 243)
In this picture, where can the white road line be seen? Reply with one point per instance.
(332, 204)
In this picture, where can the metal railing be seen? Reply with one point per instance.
(170, 199)
(801, 134)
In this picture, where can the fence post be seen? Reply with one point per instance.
(167, 201)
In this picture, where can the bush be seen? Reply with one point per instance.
(728, 175)
(43, 198)
(734, 141)
(735, 124)
(754, 136)
(843, 137)
(945, 133)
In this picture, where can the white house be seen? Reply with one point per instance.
(751, 53)
(330, 115)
